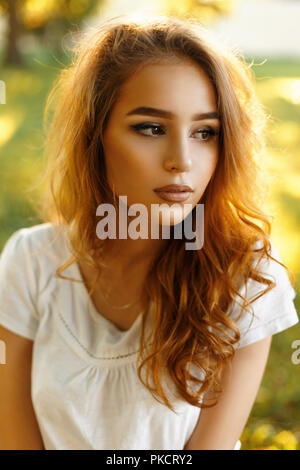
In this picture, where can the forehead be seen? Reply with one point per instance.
(181, 87)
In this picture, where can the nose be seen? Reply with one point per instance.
(178, 157)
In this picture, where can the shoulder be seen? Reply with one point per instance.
(28, 263)
(35, 236)
(269, 308)
(44, 238)
(35, 252)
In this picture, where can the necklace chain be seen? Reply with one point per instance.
(123, 307)
(105, 298)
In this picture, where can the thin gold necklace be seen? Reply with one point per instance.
(123, 307)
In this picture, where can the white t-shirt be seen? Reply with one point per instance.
(85, 389)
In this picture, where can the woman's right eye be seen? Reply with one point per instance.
(139, 127)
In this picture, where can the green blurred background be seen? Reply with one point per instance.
(33, 50)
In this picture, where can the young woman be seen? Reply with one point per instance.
(138, 342)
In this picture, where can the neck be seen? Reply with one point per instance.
(127, 255)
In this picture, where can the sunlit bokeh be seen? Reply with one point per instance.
(8, 126)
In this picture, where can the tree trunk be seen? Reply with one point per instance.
(13, 55)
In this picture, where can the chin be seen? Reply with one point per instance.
(172, 215)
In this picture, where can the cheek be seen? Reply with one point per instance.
(214, 162)
(127, 162)
(207, 163)
(124, 153)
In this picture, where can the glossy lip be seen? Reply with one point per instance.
(174, 188)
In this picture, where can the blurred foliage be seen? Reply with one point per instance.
(50, 20)
(21, 141)
(47, 20)
(265, 437)
(274, 423)
(278, 87)
(36, 14)
(206, 11)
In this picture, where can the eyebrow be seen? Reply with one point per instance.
(145, 110)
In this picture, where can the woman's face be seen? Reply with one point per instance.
(174, 142)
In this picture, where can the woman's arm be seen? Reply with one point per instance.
(220, 427)
(19, 429)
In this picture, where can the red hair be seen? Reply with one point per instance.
(191, 290)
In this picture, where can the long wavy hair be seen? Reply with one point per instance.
(192, 291)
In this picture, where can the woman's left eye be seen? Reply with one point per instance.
(139, 127)
(206, 134)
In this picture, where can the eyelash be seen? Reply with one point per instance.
(209, 130)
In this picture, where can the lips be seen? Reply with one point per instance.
(174, 192)
(174, 188)
(178, 196)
